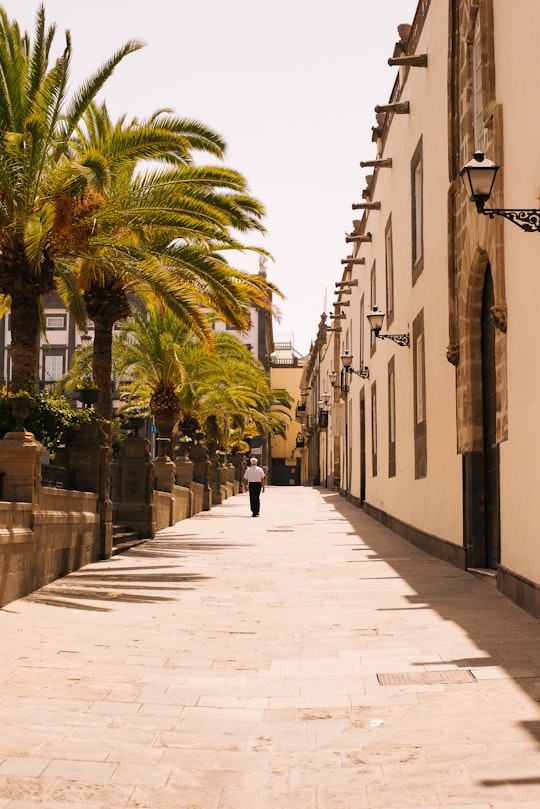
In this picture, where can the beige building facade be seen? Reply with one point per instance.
(433, 429)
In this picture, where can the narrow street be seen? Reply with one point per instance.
(306, 659)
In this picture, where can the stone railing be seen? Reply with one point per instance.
(47, 531)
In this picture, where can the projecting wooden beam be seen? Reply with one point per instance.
(399, 107)
(353, 261)
(365, 238)
(381, 163)
(409, 61)
(348, 283)
(366, 206)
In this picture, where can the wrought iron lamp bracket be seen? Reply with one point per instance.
(364, 373)
(400, 339)
(526, 218)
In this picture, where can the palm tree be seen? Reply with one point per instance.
(37, 123)
(151, 350)
(183, 382)
(160, 234)
(233, 392)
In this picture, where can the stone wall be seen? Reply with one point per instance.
(40, 543)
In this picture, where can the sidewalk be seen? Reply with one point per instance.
(307, 659)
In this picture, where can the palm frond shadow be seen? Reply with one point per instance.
(78, 590)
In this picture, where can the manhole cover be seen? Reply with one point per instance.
(451, 677)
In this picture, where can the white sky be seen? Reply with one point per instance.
(290, 84)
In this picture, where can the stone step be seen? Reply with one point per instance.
(487, 574)
(124, 538)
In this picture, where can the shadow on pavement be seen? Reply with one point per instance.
(497, 626)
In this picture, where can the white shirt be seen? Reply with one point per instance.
(254, 474)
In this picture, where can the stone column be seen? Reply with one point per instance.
(215, 480)
(239, 463)
(201, 473)
(132, 485)
(184, 471)
(20, 462)
(164, 469)
(90, 456)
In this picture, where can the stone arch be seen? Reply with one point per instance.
(475, 240)
(470, 417)
(470, 433)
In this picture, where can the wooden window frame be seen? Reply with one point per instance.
(417, 211)
(420, 415)
(59, 352)
(391, 417)
(374, 445)
(51, 316)
(372, 303)
(389, 270)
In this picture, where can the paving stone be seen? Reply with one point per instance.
(232, 666)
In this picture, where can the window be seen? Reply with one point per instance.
(419, 370)
(53, 366)
(374, 429)
(362, 332)
(391, 419)
(373, 302)
(417, 204)
(478, 102)
(55, 322)
(389, 264)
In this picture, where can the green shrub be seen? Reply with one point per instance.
(52, 420)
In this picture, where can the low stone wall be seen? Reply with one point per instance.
(163, 503)
(181, 507)
(40, 543)
(181, 503)
(197, 498)
(46, 533)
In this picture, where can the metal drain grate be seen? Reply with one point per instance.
(452, 677)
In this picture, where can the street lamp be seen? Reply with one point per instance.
(332, 376)
(376, 318)
(478, 177)
(324, 408)
(347, 359)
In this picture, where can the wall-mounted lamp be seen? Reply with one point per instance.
(478, 177)
(323, 410)
(332, 376)
(347, 359)
(376, 318)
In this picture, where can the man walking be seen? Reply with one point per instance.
(254, 475)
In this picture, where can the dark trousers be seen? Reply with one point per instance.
(255, 497)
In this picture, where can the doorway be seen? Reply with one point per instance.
(492, 553)
(481, 478)
(362, 446)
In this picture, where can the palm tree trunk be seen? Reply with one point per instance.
(102, 364)
(165, 407)
(106, 305)
(24, 342)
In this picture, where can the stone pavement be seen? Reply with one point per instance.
(307, 659)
